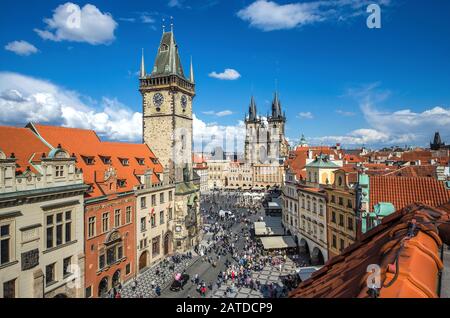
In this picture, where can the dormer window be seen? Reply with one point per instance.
(140, 161)
(106, 160)
(164, 48)
(88, 160)
(121, 183)
(154, 160)
(124, 162)
(59, 171)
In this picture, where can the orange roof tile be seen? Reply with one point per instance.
(402, 191)
(84, 142)
(25, 145)
(346, 275)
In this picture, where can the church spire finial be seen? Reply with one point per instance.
(171, 24)
(191, 77)
(163, 25)
(142, 65)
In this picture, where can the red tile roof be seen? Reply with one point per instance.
(86, 143)
(415, 171)
(25, 145)
(346, 275)
(402, 191)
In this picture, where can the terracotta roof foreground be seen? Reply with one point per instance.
(345, 276)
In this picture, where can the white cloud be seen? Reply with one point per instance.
(21, 48)
(345, 113)
(306, 115)
(212, 135)
(26, 99)
(269, 15)
(175, 3)
(219, 114)
(397, 127)
(229, 74)
(72, 23)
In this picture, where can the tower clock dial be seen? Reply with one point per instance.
(158, 99)
(183, 101)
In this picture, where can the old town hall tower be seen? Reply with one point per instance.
(167, 129)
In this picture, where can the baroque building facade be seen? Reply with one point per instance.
(167, 100)
(41, 219)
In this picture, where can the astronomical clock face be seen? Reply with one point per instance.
(183, 101)
(158, 99)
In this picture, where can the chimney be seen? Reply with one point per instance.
(310, 154)
(148, 178)
(166, 175)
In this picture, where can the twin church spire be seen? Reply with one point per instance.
(276, 110)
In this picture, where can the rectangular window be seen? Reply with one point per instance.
(170, 214)
(105, 222)
(91, 227)
(334, 241)
(170, 196)
(153, 220)
(9, 289)
(5, 244)
(143, 224)
(333, 199)
(128, 269)
(49, 274)
(161, 217)
(341, 201)
(342, 245)
(341, 220)
(349, 204)
(66, 263)
(128, 215)
(117, 218)
(153, 199)
(59, 171)
(143, 202)
(101, 260)
(155, 246)
(350, 224)
(58, 228)
(333, 217)
(161, 198)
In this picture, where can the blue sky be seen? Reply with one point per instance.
(339, 81)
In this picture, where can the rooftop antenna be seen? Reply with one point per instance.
(164, 25)
(171, 24)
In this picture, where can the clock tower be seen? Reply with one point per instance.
(167, 129)
(167, 109)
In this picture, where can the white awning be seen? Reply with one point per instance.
(277, 242)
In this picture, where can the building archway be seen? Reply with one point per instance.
(143, 260)
(168, 243)
(116, 278)
(317, 257)
(62, 295)
(304, 248)
(103, 287)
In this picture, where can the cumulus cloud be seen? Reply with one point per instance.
(175, 3)
(26, 99)
(229, 74)
(208, 136)
(269, 15)
(306, 115)
(72, 23)
(219, 114)
(21, 48)
(392, 127)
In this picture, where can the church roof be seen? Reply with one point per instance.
(322, 161)
(167, 60)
